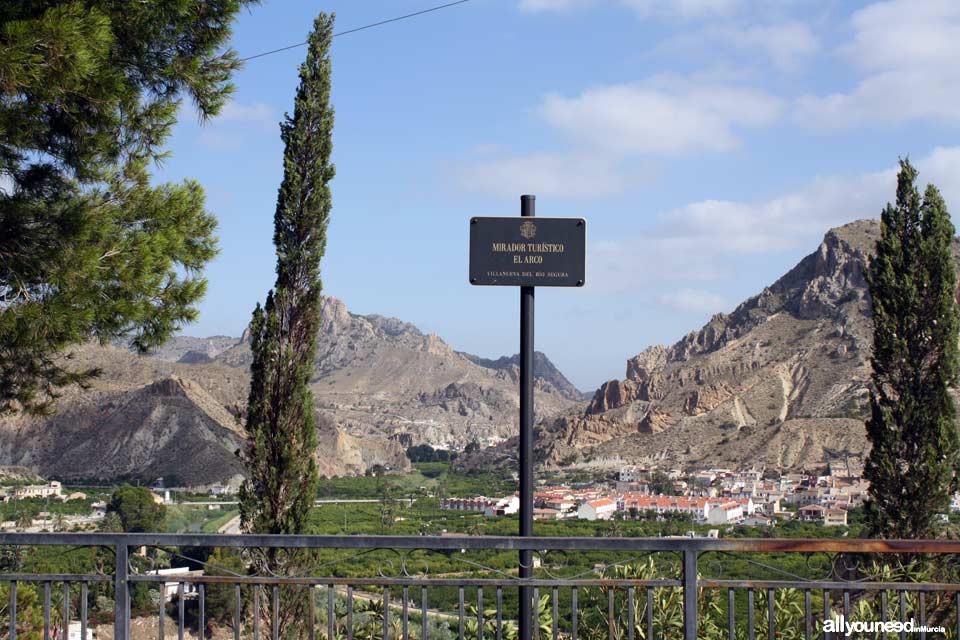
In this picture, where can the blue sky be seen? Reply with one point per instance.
(709, 144)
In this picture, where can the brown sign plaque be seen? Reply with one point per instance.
(528, 252)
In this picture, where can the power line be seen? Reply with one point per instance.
(366, 26)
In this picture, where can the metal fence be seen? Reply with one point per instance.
(583, 588)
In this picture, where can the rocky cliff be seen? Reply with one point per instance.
(781, 381)
(544, 371)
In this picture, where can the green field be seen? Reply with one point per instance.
(427, 477)
(184, 518)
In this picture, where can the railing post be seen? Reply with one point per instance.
(121, 593)
(690, 594)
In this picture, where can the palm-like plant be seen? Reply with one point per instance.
(508, 628)
(59, 522)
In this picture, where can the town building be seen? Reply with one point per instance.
(725, 513)
(503, 506)
(50, 490)
(171, 589)
(478, 504)
(834, 518)
(599, 509)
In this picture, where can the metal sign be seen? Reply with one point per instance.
(528, 252)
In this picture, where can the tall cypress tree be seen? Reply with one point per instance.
(280, 422)
(912, 467)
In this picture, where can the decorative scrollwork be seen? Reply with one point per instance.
(767, 567)
(408, 559)
(818, 563)
(711, 566)
(603, 568)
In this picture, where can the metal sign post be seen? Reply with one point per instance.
(524, 253)
(528, 206)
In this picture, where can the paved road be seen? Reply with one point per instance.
(231, 526)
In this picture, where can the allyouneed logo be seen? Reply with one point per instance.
(847, 627)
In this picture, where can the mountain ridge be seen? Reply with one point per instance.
(781, 381)
(380, 385)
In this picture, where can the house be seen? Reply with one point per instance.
(725, 513)
(811, 513)
(75, 632)
(476, 505)
(599, 509)
(697, 508)
(503, 506)
(834, 517)
(705, 477)
(758, 520)
(806, 497)
(543, 513)
(769, 504)
(170, 589)
(220, 490)
(50, 490)
(747, 504)
(632, 474)
(560, 504)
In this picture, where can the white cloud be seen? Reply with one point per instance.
(786, 44)
(909, 50)
(484, 149)
(232, 128)
(571, 175)
(665, 114)
(700, 241)
(257, 112)
(905, 34)
(687, 9)
(220, 139)
(717, 226)
(553, 5)
(696, 300)
(6, 184)
(614, 131)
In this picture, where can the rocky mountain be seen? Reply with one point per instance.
(380, 385)
(191, 350)
(779, 382)
(542, 368)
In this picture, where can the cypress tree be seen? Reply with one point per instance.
(912, 466)
(89, 92)
(280, 421)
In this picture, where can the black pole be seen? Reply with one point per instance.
(527, 209)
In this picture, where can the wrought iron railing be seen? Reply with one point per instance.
(583, 588)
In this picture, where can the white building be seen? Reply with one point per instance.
(600, 509)
(834, 518)
(478, 504)
(170, 589)
(503, 507)
(632, 474)
(50, 490)
(725, 513)
(758, 521)
(74, 632)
